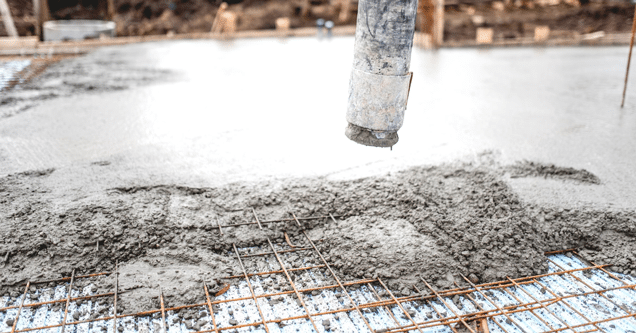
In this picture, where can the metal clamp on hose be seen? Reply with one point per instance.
(377, 102)
(381, 79)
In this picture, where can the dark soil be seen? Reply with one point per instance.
(143, 17)
(435, 222)
(565, 21)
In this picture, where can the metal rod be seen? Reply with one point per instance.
(443, 320)
(68, 278)
(542, 305)
(55, 301)
(298, 222)
(629, 59)
(249, 284)
(291, 282)
(432, 323)
(289, 241)
(219, 224)
(531, 311)
(207, 297)
(271, 253)
(446, 305)
(278, 272)
(482, 308)
(377, 296)
(591, 288)
(163, 312)
(569, 306)
(493, 303)
(277, 221)
(68, 300)
(336, 278)
(115, 298)
(401, 307)
(257, 220)
(17, 316)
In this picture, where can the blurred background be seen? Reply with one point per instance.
(509, 19)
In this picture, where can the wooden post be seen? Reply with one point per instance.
(304, 10)
(432, 20)
(345, 11)
(438, 23)
(7, 19)
(36, 14)
(629, 58)
(216, 25)
(42, 15)
(111, 9)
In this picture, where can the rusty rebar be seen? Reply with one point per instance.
(442, 319)
(115, 298)
(271, 253)
(432, 323)
(337, 279)
(591, 288)
(219, 224)
(17, 316)
(68, 300)
(293, 285)
(493, 303)
(542, 305)
(289, 241)
(531, 311)
(298, 222)
(629, 59)
(277, 221)
(569, 306)
(446, 304)
(257, 220)
(32, 305)
(207, 297)
(377, 296)
(277, 272)
(482, 309)
(68, 278)
(400, 305)
(163, 312)
(249, 284)
(447, 321)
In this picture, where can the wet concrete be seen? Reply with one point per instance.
(137, 150)
(258, 109)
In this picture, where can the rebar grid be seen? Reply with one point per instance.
(493, 312)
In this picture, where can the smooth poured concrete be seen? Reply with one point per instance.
(260, 109)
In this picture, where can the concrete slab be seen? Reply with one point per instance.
(268, 108)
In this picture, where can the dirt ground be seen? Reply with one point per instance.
(435, 221)
(511, 19)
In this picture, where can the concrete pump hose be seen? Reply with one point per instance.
(380, 79)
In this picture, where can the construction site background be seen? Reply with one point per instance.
(508, 19)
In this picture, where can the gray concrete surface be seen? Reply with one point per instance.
(250, 110)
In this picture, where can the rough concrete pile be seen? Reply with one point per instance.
(434, 222)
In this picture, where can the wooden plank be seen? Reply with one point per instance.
(7, 19)
(111, 9)
(438, 23)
